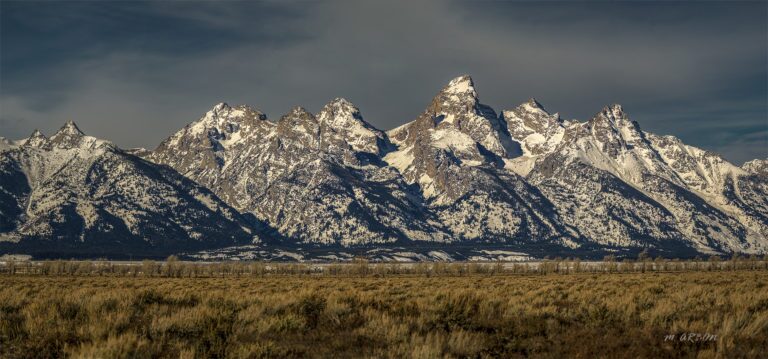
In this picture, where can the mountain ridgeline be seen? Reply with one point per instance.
(459, 176)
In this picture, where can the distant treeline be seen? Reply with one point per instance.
(173, 268)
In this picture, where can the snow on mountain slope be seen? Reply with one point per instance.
(688, 184)
(756, 167)
(456, 107)
(342, 127)
(6, 144)
(458, 175)
(462, 173)
(75, 194)
(454, 152)
(537, 131)
(315, 179)
(454, 129)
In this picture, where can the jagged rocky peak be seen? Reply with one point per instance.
(457, 108)
(297, 115)
(533, 127)
(613, 113)
(461, 85)
(340, 113)
(298, 122)
(533, 103)
(456, 98)
(68, 136)
(224, 109)
(69, 128)
(223, 119)
(341, 122)
(222, 126)
(530, 115)
(614, 117)
(37, 139)
(341, 103)
(531, 107)
(614, 130)
(223, 113)
(455, 116)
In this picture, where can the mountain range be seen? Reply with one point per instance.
(458, 179)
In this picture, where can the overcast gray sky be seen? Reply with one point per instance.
(135, 72)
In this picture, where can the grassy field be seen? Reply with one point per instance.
(473, 315)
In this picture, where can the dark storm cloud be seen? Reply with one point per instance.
(49, 41)
(136, 72)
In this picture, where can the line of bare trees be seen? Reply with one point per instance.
(173, 268)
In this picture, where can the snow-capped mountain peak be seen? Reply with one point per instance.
(613, 131)
(298, 121)
(341, 123)
(533, 105)
(340, 113)
(531, 113)
(36, 139)
(69, 128)
(462, 85)
(341, 103)
(457, 108)
(538, 131)
(297, 114)
(613, 113)
(223, 115)
(298, 111)
(70, 136)
(37, 133)
(222, 126)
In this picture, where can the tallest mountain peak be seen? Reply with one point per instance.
(461, 85)
(458, 96)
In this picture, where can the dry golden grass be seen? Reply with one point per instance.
(508, 315)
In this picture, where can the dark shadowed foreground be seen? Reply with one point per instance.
(720, 313)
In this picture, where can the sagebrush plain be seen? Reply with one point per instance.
(702, 314)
